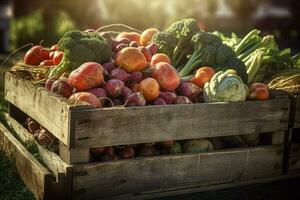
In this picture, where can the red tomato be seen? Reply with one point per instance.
(57, 57)
(45, 54)
(33, 56)
(54, 47)
(51, 54)
(47, 63)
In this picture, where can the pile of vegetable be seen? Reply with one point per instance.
(179, 65)
(261, 55)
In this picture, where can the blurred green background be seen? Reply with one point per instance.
(22, 22)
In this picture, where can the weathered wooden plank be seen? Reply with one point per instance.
(297, 113)
(52, 160)
(99, 180)
(294, 158)
(35, 176)
(278, 137)
(114, 126)
(74, 155)
(44, 107)
(199, 188)
(263, 162)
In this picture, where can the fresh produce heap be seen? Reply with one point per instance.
(180, 65)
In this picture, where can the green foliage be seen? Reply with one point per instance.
(175, 41)
(80, 47)
(27, 29)
(154, 13)
(11, 186)
(34, 28)
(210, 51)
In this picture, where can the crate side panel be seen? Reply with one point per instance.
(105, 127)
(38, 103)
(167, 172)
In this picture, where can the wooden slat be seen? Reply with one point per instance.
(62, 187)
(46, 108)
(35, 176)
(115, 126)
(196, 188)
(74, 155)
(52, 160)
(278, 137)
(297, 113)
(109, 179)
(294, 158)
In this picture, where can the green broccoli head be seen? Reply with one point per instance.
(166, 42)
(80, 47)
(184, 29)
(209, 50)
(175, 41)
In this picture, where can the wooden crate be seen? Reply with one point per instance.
(80, 128)
(148, 177)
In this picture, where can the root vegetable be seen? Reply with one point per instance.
(131, 59)
(134, 77)
(149, 87)
(127, 152)
(114, 88)
(166, 76)
(135, 99)
(146, 150)
(86, 97)
(189, 90)
(160, 57)
(146, 36)
(168, 97)
(159, 101)
(87, 76)
(125, 92)
(49, 83)
(119, 74)
(182, 100)
(62, 87)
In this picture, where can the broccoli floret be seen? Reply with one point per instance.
(80, 47)
(175, 41)
(210, 51)
(166, 42)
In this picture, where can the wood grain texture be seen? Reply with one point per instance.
(100, 180)
(197, 188)
(115, 126)
(44, 107)
(297, 113)
(52, 160)
(294, 158)
(74, 155)
(35, 176)
(60, 186)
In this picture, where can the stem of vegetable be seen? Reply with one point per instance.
(245, 40)
(255, 65)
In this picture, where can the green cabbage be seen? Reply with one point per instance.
(225, 86)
